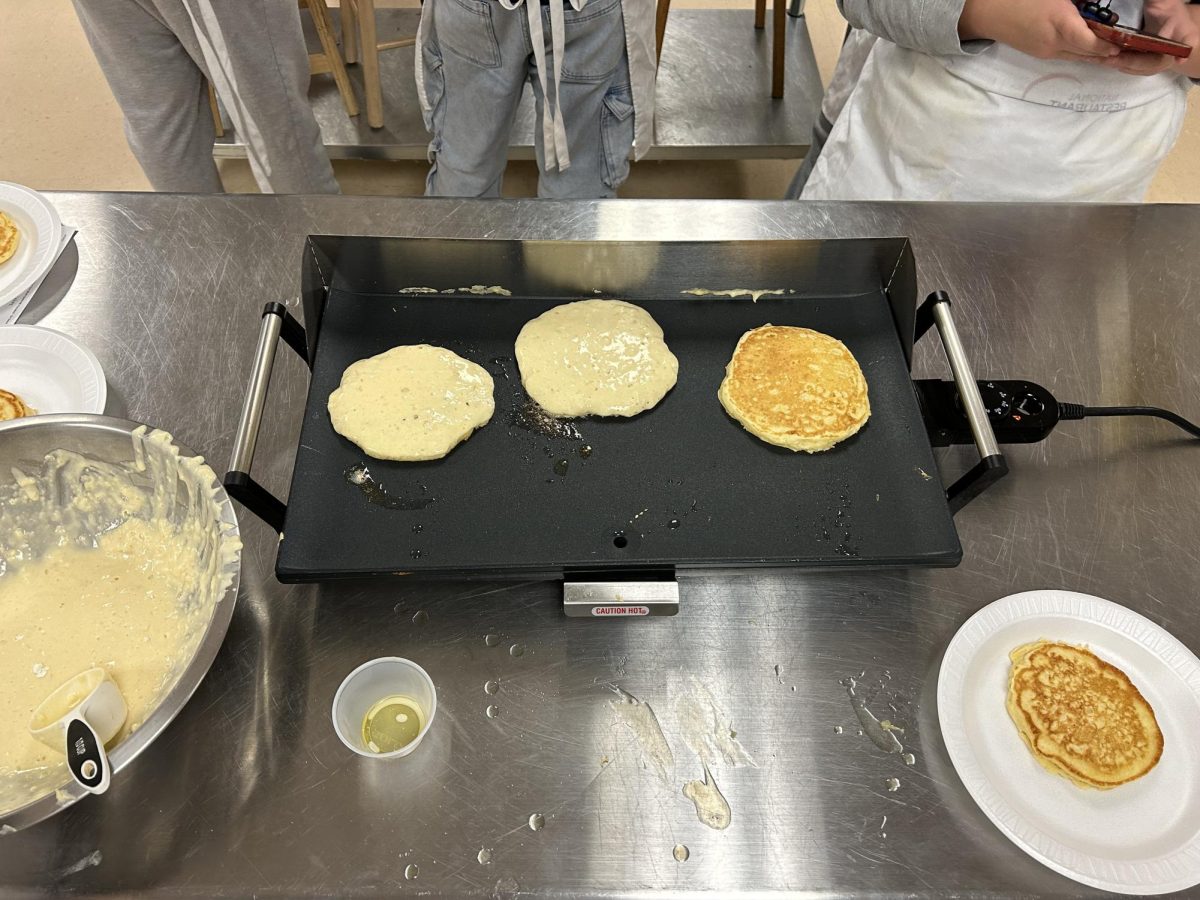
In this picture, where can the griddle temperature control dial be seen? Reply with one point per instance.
(1021, 412)
(1029, 405)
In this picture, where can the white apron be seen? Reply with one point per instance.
(997, 125)
(638, 17)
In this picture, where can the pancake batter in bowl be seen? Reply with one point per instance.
(116, 606)
(101, 565)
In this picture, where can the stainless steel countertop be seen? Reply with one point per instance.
(250, 791)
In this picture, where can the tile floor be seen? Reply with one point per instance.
(61, 129)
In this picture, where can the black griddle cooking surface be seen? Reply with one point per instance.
(682, 485)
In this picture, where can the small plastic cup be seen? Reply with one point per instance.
(370, 683)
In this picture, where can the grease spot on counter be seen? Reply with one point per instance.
(639, 717)
(881, 736)
(711, 806)
(707, 729)
(90, 861)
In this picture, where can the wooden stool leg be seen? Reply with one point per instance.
(349, 31)
(369, 40)
(218, 125)
(778, 49)
(320, 15)
(760, 13)
(660, 28)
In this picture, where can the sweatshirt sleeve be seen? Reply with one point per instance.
(930, 26)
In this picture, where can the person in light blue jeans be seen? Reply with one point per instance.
(474, 59)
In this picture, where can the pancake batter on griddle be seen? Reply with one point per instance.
(411, 403)
(595, 358)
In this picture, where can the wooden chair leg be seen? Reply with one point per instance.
(324, 26)
(349, 31)
(369, 41)
(218, 125)
(660, 28)
(760, 13)
(778, 49)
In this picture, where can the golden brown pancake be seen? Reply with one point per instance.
(1080, 716)
(12, 407)
(795, 388)
(10, 237)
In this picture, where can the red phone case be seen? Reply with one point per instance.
(1132, 39)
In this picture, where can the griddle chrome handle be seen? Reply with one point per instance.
(992, 465)
(277, 322)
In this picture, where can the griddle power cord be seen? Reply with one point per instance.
(1067, 411)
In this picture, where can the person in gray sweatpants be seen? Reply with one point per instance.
(156, 54)
(474, 58)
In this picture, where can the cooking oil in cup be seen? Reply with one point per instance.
(392, 724)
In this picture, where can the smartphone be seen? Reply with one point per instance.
(1132, 39)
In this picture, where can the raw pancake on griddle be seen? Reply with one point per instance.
(595, 358)
(10, 237)
(411, 403)
(795, 388)
(1080, 716)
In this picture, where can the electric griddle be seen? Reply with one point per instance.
(616, 507)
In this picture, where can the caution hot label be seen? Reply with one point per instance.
(620, 610)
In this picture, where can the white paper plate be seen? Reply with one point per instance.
(50, 371)
(1140, 838)
(41, 233)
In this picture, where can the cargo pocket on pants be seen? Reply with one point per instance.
(616, 134)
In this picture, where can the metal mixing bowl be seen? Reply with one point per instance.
(24, 443)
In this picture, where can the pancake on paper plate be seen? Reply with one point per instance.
(13, 407)
(1080, 716)
(10, 237)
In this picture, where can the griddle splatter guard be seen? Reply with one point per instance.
(680, 488)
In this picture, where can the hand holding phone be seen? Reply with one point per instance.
(1140, 41)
